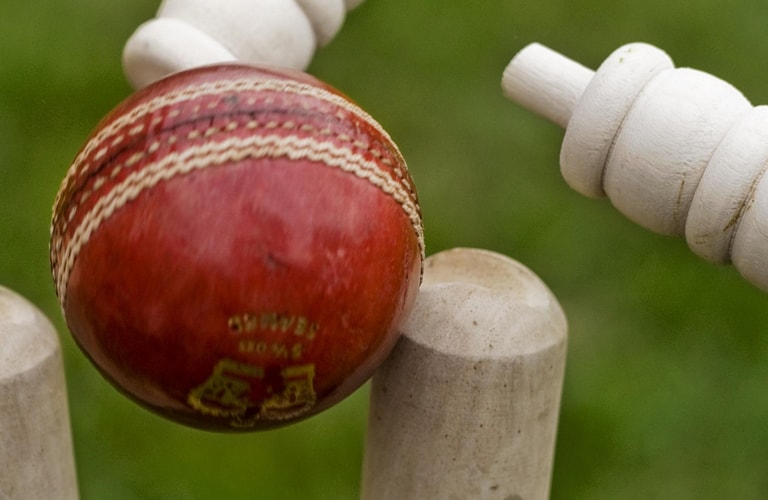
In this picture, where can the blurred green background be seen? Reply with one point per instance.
(666, 391)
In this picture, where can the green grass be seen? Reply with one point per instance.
(665, 391)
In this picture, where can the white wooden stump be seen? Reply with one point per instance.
(467, 404)
(36, 457)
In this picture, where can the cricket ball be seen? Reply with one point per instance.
(235, 247)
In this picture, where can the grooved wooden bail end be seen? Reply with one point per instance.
(36, 458)
(545, 82)
(467, 404)
(187, 34)
(676, 150)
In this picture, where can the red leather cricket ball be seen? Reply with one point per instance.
(234, 247)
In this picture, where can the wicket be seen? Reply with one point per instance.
(468, 403)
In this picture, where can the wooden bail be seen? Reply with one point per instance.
(190, 33)
(676, 150)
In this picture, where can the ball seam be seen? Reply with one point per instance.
(212, 154)
(80, 166)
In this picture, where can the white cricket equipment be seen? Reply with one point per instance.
(192, 33)
(676, 150)
(467, 404)
(36, 458)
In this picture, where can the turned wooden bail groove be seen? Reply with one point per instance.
(676, 150)
(192, 33)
